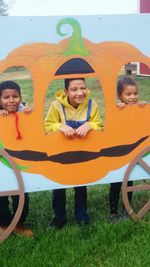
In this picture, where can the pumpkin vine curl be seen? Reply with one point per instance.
(76, 44)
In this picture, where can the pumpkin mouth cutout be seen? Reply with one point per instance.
(75, 66)
(71, 157)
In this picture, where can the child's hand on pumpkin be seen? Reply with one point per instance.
(120, 105)
(67, 130)
(4, 112)
(142, 103)
(27, 110)
(83, 130)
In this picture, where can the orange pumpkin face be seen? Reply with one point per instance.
(76, 161)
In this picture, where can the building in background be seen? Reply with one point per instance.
(138, 68)
(143, 7)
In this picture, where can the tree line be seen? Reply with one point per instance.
(3, 8)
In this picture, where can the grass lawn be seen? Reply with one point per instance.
(99, 244)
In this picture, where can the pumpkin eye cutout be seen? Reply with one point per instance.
(16, 89)
(133, 85)
(83, 94)
(74, 66)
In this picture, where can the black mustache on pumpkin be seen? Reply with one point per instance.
(71, 157)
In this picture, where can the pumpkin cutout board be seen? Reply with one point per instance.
(96, 47)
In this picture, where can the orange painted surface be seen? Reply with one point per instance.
(122, 127)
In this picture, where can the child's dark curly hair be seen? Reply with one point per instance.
(67, 81)
(9, 85)
(122, 83)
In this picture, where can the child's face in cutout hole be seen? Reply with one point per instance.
(10, 100)
(76, 92)
(129, 95)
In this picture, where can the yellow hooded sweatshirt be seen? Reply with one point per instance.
(55, 116)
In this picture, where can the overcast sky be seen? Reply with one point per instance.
(68, 7)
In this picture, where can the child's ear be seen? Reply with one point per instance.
(66, 92)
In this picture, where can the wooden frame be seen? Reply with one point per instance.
(126, 189)
(20, 192)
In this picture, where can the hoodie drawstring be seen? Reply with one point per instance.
(18, 137)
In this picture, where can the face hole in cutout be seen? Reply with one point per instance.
(133, 84)
(93, 85)
(22, 77)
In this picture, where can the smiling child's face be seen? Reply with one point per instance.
(76, 92)
(10, 100)
(129, 95)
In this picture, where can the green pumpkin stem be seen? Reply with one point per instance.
(76, 45)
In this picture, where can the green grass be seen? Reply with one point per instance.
(100, 244)
(144, 88)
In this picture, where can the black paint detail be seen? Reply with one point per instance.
(122, 150)
(28, 155)
(71, 157)
(75, 66)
